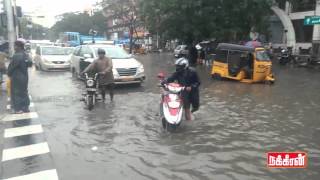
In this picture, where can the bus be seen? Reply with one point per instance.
(74, 39)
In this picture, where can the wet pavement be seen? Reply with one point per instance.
(227, 140)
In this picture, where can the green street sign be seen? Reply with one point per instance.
(311, 20)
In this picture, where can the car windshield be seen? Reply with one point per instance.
(113, 52)
(262, 56)
(53, 51)
(68, 51)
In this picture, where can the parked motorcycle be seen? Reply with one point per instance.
(91, 94)
(285, 57)
(171, 104)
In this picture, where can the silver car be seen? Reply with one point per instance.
(49, 58)
(181, 50)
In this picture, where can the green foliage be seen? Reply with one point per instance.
(190, 20)
(125, 12)
(81, 22)
(35, 32)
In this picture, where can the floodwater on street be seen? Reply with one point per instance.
(227, 140)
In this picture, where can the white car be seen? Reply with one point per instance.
(49, 58)
(180, 50)
(35, 43)
(126, 69)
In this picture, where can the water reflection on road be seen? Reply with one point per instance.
(237, 124)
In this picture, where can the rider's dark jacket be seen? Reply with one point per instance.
(187, 78)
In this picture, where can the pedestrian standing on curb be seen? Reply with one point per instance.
(18, 74)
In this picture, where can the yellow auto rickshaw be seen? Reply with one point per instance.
(139, 49)
(242, 63)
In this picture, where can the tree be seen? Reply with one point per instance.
(194, 20)
(30, 30)
(79, 22)
(125, 12)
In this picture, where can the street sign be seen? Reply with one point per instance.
(311, 20)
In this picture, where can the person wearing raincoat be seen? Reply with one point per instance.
(18, 73)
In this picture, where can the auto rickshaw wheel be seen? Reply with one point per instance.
(216, 76)
(270, 82)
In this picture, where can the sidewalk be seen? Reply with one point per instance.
(3, 98)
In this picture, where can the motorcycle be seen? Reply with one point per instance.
(285, 57)
(91, 94)
(171, 104)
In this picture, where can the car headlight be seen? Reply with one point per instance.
(115, 73)
(140, 69)
(46, 61)
(90, 82)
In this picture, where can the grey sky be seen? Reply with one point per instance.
(51, 8)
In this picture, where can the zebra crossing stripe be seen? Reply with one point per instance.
(42, 175)
(9, 106)
(16, 117)
(21, 131)
(25, 151)
(29, 150)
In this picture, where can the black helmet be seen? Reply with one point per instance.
(101, 51)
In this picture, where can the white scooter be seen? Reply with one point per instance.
(171, 104)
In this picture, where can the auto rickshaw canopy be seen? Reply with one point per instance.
(234, 47)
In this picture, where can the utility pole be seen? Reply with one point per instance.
(15, 18)
(10, 26)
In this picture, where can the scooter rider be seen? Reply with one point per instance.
(188, 78)
(103, 66)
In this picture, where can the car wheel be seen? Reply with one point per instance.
(40, 67)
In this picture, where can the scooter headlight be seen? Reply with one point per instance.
(90, 82)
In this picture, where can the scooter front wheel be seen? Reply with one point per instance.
(90, 102)
(168, 127)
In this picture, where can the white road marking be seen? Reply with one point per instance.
(8, 99)
(21, 131)
(42, 175)
(25, 151)
(16, 117)
(9, 106)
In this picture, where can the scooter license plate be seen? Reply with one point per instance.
(91, 89)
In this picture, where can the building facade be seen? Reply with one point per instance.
(287, 24)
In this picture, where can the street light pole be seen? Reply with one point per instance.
(10, 26)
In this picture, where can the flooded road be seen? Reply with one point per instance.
(228, 139)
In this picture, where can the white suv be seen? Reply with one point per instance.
(126, 69)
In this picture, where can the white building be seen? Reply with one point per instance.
(287, 25)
